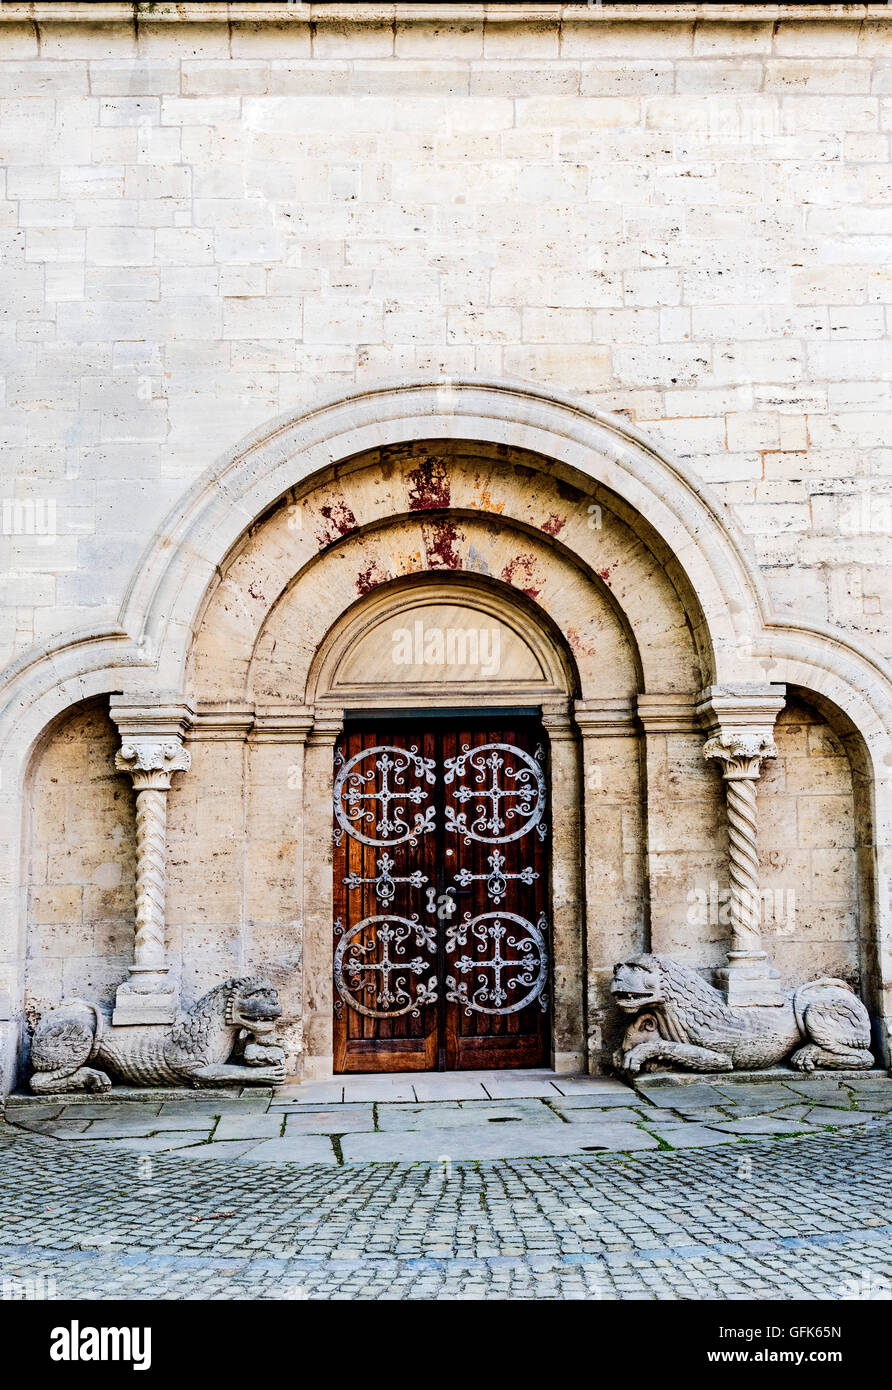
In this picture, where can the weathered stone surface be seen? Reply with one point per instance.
(69, 1037)
(207, 225)
(678, 1019)
(478, 1142)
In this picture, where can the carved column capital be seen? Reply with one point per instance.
(152, 762)
(741, 752)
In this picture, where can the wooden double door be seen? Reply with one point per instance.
(441, 894)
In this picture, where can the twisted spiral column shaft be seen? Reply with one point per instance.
(743, 863)
(151, 876)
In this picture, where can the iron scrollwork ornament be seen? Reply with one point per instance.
(360, 809)
(497, 878)
(386, 983)
(497, 979)
(507, 786)
(385, 881)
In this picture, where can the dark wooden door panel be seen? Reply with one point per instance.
(441, 892)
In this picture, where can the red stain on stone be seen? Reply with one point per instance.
(255, 592)
(576, 643)
(554, 524)
(440, 541)
(605, 574)
(520, 572)
(369, 578)
(428, 486)
(337, 520)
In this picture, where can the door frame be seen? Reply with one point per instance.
(316, 728)
(456, 716)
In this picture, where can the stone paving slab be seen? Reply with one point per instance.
(56, 1129)
(312, 1093)
(585, 1100)
(302, 1148)
(508, 1087)
(159, 1143)
(758, 1124)
(614, 1115)
(378, 1088)
(474, 1142)
(249, 1127)
(761, 1094)
(585, 1085)
(108, 1128)
(668, 1097)
(464, 1088)
(222, 1152)
(825, 1115)
(469, 1113)
(258, 1106)
(688, 1136)
(337, 1119)
(878, 1103)
(130, 1110)
(705, 1114)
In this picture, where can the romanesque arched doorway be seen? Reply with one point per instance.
(618, 557)
(441, 864)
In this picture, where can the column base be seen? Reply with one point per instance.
(750, 980)
(145, 997)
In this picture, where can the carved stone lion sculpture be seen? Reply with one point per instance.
(193, 1051)
(681, 1020)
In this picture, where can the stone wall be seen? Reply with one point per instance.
(81, 862)
(209, 219)
(214, 215)
(809, 868)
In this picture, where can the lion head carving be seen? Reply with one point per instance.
(637, 984)
(252, 1004)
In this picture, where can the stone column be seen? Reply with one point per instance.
(151, 757)
(741, 737)
(567, 927)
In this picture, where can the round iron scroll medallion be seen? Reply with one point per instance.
(382, 988)
(506, 785)
(490, 981)
(381, 817)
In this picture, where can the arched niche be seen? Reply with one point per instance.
(447, 639)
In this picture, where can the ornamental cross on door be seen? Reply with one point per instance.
(497, 879)
(374, 977)
(527, 972)
(384, 881)
(523, 793)
(358, 810)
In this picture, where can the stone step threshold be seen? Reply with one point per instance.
(521, 1083)
(750, 1078)
(150, 1095)
(233, 1096)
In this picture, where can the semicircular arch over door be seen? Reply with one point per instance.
(441, 862)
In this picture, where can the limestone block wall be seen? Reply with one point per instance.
(213, 214)
(809, 851)
(81, 859)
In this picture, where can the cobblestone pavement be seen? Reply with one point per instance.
(765, 1217)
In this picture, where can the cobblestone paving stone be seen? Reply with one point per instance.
(766, 1218)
